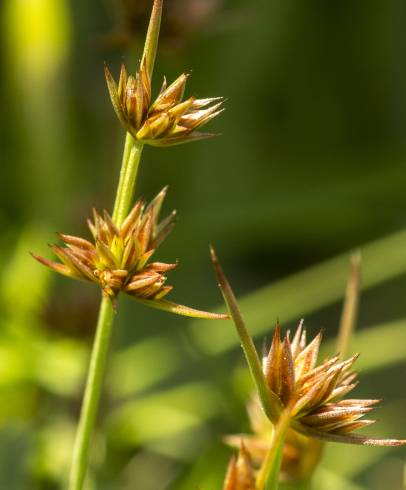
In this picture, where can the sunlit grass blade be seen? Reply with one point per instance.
(292, 298)
(350, 307)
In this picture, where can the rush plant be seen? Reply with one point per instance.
(118, 258)
(299, 403)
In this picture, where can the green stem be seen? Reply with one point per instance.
(125, 192)
(122, 204)
(128, 175)
(92, 395)
(268, 476)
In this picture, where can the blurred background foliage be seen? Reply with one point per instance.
(311, 164)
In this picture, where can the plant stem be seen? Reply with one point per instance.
(124, 196)
(92, 394)
(268, 476)
(128, 174)
(125, 191)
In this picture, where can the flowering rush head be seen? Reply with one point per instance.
(289, 380)
(168, 120)
(314, 393)
(119, 258)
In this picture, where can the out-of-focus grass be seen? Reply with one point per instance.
(306, 292)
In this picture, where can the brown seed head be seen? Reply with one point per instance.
(119, 258)
(314, 392)
(167, 121)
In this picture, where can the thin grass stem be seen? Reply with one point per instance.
(92, 395)
(268, 476)
(124, 197)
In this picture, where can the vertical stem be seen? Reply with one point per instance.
(151, 41)
(268, 476)
(128, 176)
(92, 395)
(124, 197)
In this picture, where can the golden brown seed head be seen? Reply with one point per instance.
(314, 392)
(167, 121)
(118, 260)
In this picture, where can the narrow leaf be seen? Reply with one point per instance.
(270, 401)
(350, 307)
(180, 309)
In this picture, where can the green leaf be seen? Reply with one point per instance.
(269, 400)
(171, 307)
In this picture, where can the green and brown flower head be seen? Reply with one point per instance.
(293, 388)
(314, 393)
(119, 258)
(168, 120)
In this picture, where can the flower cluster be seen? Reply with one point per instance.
(314, 393)
(118, 260)
(168, 120)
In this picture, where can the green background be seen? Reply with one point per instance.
(311, 164)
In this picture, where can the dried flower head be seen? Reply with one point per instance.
(301, 454)
(314, 393)
(165, 122)
(240, 472)
(118, 260)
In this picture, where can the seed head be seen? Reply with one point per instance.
(118, 260)
(314, 392)
(167, 121)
